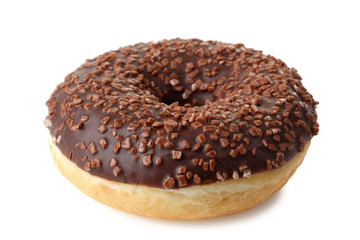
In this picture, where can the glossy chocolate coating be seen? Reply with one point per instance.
(261, 113)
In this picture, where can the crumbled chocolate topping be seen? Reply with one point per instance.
(177, 113)
(169, 183)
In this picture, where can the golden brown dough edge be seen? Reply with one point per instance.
(195, 202)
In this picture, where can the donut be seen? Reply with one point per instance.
(182, 128)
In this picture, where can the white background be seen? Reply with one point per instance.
(41, 42)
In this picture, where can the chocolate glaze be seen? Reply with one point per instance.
(258, 91)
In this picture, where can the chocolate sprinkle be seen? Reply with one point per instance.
(216, 111)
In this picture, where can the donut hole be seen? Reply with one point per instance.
(172, 98)
(179, 90)
(193, 100)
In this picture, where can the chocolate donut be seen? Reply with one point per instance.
(165, 129)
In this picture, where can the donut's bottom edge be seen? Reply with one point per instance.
(190, 203)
